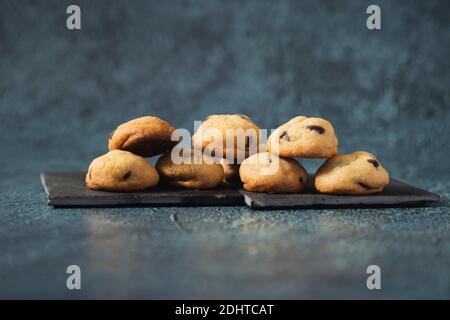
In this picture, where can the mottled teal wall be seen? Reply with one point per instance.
(62, 92)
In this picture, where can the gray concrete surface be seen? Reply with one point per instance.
(62, 92)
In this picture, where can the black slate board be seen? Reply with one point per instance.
(68, 189)
(396, 194)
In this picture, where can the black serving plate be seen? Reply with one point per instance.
(68, 189)
(396, 194)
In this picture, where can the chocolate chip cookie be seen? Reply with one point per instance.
(146, 136)
(191, 170)
(121, 171)
(233, 136)
(356, 173)
(304, 137)
(264, 172)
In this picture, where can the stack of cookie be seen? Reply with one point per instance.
(303, 137)
(124, 168)
(274, 170)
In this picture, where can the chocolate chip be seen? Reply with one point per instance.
(270, 160)
(374, 162)
(301, 180)
(126, 175)
(284, 135)
(111, 134)
(365, 186)
(319, 129)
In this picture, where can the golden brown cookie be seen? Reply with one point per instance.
(304, 137)
(356, 173)
(230, 172)
(243, 136)
(260, 173)
(146, 136)
(197, 171)
(121, 171)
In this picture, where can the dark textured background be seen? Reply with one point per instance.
(61, 93)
